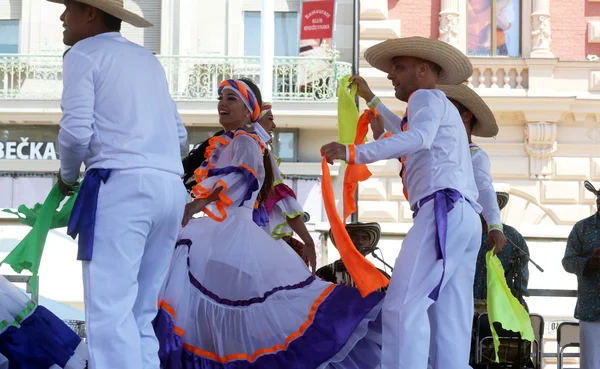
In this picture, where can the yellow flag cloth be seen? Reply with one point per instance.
(347, 111)
(502, 306)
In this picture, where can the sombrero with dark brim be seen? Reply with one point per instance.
(116, 9)
(373, 230)
(486, 125)
(455, 66)
(502, 198)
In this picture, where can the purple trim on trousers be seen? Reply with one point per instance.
(443, 203)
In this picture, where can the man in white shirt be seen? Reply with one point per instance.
(120, 120)
(479, 121)
(428, 309)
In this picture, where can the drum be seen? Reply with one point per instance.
(509, 349)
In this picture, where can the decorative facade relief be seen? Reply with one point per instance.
(540, 32)
(541, 144)
(449, 28)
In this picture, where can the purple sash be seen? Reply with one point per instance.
(443, 203)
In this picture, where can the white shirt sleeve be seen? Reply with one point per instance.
(425, 112)
(391, 121)
(180, 127)
(77, 104)
(487, 195)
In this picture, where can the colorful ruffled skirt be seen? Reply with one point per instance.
(31, 337)
(236, 298)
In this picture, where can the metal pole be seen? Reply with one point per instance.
(355, 71)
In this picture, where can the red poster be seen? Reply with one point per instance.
(317, 20)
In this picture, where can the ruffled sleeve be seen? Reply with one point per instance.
(238, 179)
(280, 205)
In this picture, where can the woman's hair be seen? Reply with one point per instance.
(196, 157)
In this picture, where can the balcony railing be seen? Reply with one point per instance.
(190, 78)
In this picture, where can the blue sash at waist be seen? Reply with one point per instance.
(83, 216)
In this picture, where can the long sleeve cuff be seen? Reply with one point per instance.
(498, 227)
(374, 102)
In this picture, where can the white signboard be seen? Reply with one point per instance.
(25, 150)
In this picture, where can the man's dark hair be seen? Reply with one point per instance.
(111, 22)
(461, 109)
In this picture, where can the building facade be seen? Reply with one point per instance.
(539, 72)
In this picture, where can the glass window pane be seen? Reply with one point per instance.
(9, 36)
(479, 19)
(286, 34)
(286, 146)
(251, 30)
(508, 30)
(508, 22)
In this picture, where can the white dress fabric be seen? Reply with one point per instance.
(281, 205)
(32, 337)
(236, 298)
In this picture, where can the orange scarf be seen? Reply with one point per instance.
(364, 274)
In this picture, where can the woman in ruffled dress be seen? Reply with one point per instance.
(235, 297)
(31, 337)
(284, 211)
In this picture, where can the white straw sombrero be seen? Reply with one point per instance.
(116, 9)
(455, 66)
(486, 122)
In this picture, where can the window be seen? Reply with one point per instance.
(285, 144)
(286, 33)
(506, 40)
(9, 36)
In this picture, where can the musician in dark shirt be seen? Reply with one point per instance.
(365, 237)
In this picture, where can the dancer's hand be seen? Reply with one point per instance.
(334, 151)
(498, 239)
(65, 188)
(377, 125)
(363, 88)
(309, 253)
(191, 209)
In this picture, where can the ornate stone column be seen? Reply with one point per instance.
(450, 22)
(540, 29)
(541, 144)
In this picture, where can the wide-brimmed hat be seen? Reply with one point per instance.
(373, 230)
(590, 187)
(486, 125)
(502, 198)
(455, 66)
(116, 8)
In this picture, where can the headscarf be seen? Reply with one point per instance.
(266, 107)
(264, 136)
(245, 93)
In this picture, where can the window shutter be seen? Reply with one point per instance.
(147, 37)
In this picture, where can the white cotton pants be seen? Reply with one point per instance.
(589, 341)
(416, 331)
(138, 218)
